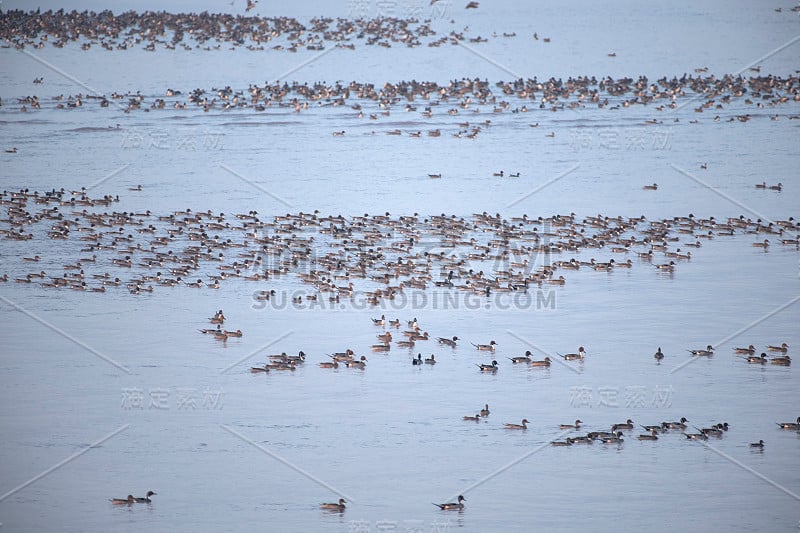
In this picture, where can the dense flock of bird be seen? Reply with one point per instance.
(372, 259)
(463, 97)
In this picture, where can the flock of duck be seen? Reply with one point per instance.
(614, 436)
(369, 259)
(458, 97)
(151, 30)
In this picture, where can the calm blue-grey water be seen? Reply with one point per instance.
(227, 449)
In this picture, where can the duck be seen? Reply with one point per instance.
(522, 359)
(659, 355)
(544, 362)
(783, 360)
(257, 369)
(709, 351)
(567, 442)
(790, 425)
(714, 431)
(488, 368)
(361, 363)
(696, 436)
(613, 439)
(573, 356)
(750, 350)
(329, 364)
(657, 429)
(675, 425)
(334, 506)
(379, 321)
(523, 425)
(485, 411)
(448, 342)
(475, 418)
(624, 425)
(757, 359)
(418, 360)
(759, 444)
(146, 499)
(385, 347)
(430, 360)
(485, 347)
(783, 348)
(652, 187)
(576, 425)
(120, 501)
(651, 436)
(452, 506)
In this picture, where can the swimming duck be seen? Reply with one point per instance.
(659, 355)
(576, 425)
(523, 359)
(385, 347)
(675, 425)
(783, 360)
(452, 506)
(714, 431)
(475, 418)
(523, 425)
(256, 369)
(448, 342)
(485, 347)
(614, 439)
(750, 350)
(379, 321)
(488, 368)
(567, 442)
(657, 429)
(696, 436)
(418, 360)
(334, 506)
(329, 364)
(651, 436)
(709, 351)
(485, 411)
(790, 425)
(758, 359)
(120, 501)
(624, 425)
(543, 362)
(759, 444)
(574, 356)
(430, 360)
(146, 499)
(361, 363)
(783, 348)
